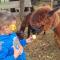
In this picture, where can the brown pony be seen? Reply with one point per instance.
(43, 19)
(37, 18)
(27, 23)
(46, 18)
(24, 24)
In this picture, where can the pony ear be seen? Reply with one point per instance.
(50, 13)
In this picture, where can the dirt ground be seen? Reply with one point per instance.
(43, 48)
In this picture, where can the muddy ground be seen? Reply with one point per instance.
(43, 48)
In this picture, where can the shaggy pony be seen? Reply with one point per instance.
(43, 19)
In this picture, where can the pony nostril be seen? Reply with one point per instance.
(42, 25)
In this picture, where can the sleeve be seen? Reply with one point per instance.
(23, 42)
(11, 51)
(10, 58)
(15, 39)
(16, 44)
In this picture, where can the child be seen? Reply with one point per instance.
(22, 41)
(10, 48)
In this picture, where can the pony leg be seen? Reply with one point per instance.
(28, 31)
(44, 33)
(57, 39)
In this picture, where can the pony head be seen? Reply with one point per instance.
(43, 19)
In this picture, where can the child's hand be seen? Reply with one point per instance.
(18, 51)
(28, 40)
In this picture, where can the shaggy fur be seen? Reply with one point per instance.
(41, 18)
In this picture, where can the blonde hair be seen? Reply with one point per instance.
(6, 19)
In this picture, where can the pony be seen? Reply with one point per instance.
(35, 17)
(26, 23)
(43, 19)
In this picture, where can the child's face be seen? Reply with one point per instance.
(7, 30)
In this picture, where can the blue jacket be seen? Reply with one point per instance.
(6, 50)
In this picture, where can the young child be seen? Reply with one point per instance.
(10, 47)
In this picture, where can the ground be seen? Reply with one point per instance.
(43, 48)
